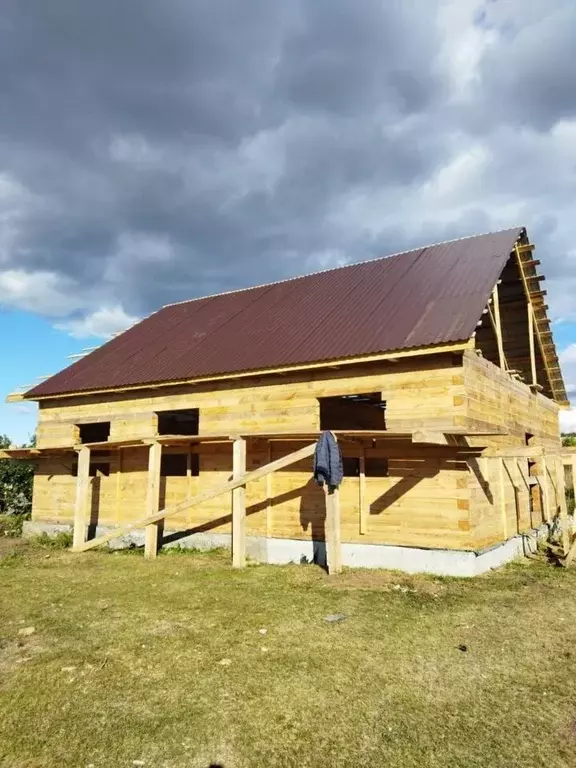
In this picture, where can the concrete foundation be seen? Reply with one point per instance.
(440, 562)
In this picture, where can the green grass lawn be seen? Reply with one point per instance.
(166, 664)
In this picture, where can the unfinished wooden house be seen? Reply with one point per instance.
(435, 368)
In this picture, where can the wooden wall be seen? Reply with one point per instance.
(419, 391)
(423, 500)
(432, 496)
(500, 492)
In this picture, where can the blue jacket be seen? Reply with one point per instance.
(328, 461)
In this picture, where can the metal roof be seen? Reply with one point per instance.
(426, 296)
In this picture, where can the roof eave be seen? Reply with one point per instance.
(390, 355)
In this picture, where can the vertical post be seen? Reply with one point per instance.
(496, 303)
(119, 457)
(362, 492)
(239, 505)
(502, 494)
(333, 548)
(153, 499)
(562, 506)
(545, 488)
(531, 342)
(269, 491)
(82, 481)
(573, 490)
(189, 482)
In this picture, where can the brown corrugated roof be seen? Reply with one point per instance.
(426, 296)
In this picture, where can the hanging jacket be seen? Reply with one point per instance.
(328, 467)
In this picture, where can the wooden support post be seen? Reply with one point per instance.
(153, 499)
(574, 491)
(269, 491)
(189, 482)
(561, 501)
(498, 327)
(545, 489)
(502, 498)
(531, 343)
(362, 493)
(82, 482)
(239, 505)
(119, 458)
(332, 535)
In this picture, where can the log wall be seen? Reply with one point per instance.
(502, 503)
(432, 496)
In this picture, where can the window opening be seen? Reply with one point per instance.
(357, 411)
(181, 422)
(176, 465)
(98, 432)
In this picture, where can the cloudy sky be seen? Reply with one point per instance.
(156, 151)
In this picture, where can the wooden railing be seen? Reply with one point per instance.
(236, 486)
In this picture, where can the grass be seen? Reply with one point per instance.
(164, 663)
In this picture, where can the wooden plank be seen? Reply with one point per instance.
(362, 503)
(545, 489)
(200, 498)
(531, 343)
(82, 482)
(539, 332)
(153, 499)
(333, 533)
(239, 505)
(502, 498)
(118, 488)
(269, 492)
(516, 452)
(561, 503)
(498, 327)
(427, 436)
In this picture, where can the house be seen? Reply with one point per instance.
(435, 368)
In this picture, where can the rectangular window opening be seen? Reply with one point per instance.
(182, 422)
(176, 465)
(365, 411)
(98, 432)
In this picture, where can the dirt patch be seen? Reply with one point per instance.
(8, 546)
(386, 581)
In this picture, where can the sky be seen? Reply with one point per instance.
(154, 152)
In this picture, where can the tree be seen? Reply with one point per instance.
(569, 439)
(15, 483)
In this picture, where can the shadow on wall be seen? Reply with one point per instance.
(95, 491)
(406, 481)
(312, 518)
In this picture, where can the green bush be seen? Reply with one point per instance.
(16, 478)
(11, 525)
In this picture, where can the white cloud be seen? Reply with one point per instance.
(568, 420)
(102, 323)
(42, 292)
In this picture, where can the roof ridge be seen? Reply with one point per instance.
(334, 269)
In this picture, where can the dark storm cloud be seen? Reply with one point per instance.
(151, 152)
(529, 79)
(321, 83)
